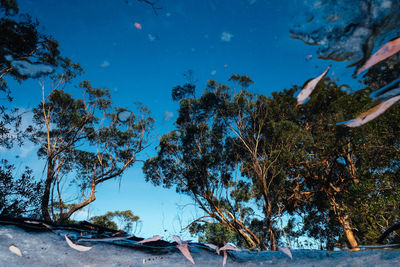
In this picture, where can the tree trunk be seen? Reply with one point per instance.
(47, 189)
(248, 239)
(272, 239)
(65, 216)
(268, 213)
(344, 221)
(253, 240)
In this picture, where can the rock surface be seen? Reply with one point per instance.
(51, 249)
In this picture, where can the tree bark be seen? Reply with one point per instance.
(344, 221)
(249, 240)
(47, 189)
(247, 234)
(271, 236)
(268, 213)
(66, 216)
(272, 239)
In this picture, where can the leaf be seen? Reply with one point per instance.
(229, 247)
(389, 90)
(177, 239)
(389, 49)
(77, 247)
(286, 251)
(42, 223)
(138, 25)
(391, 93)
(371, 113)
(14, 249)
(152, 239)
(309, 87)
(225, 257)
(225, 248)
(212, 246)
(185, 251)
(107, 238)
(183, 247)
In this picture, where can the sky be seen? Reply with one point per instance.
(142, 63)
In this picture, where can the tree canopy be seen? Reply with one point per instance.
(239, 154)
(85, 141)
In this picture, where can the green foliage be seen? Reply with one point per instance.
(218, 135)
(105, 221)
(292, 160)
(124, 218)
(187, 90)
(19, 195)
(83, 141)
(198, 159)
(383, 73)
(10, 132)
(243, 80)
(343, 174)
(214, 233)
(180, 92)
(22, 40)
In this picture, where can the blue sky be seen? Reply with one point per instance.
(214, 38)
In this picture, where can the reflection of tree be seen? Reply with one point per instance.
(83, 140)
(348, 30)
(360, 26)
(125, 219)
(21, 40)
(19, 195)
(198, 159)
(383, 73)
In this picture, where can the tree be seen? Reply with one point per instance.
(378, 193)
(87, 141)
(188, 89)
(373, 175)
(330, 168)
(218, 135)
(18, 195)
(382, 73)
(125, 219)
(340, 178)
(197, 159)
(180, 92)
(21, 45)
(214, 233)
(265, 139)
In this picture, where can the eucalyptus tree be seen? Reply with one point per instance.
(344, 170)
(117, 220)
(22, 45)
(228, 151)
(198, 160)
(84, 141)
(20, 193)
(22, 48)
(375, 201)
(216, 233)
(266, 140)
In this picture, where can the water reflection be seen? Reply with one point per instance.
(347, 30)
